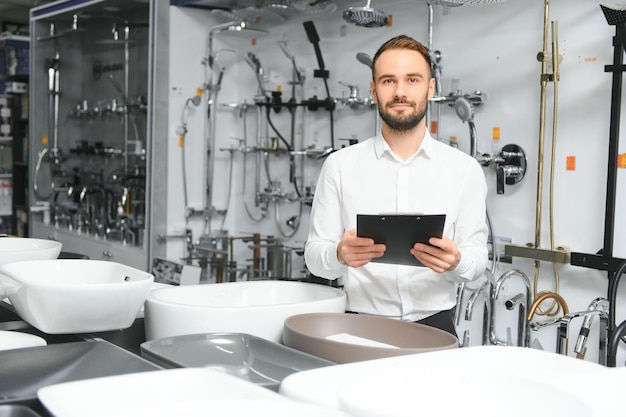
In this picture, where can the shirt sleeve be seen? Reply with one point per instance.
(470, 231)
(326, 226)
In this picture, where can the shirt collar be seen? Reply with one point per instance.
(426, 147)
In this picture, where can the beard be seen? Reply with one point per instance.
(403, 122)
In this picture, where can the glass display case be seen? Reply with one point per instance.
(92, 124)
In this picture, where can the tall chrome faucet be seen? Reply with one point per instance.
(484, 290)
(522, 300)
(562, 337)
(599, 304)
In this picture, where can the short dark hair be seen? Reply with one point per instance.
(402, 42)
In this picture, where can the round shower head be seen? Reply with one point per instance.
(258, 15)
(244, 30)
(464, 109)
(365, 16)
(314, 7)
(223, 59)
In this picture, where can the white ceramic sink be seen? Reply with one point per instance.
(174, 392)
(75, 295)
(16, 249)
(258, 308)
(18, 340)
(484, 380)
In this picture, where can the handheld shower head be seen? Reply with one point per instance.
(366, 16)
(255, 64)
(364, 59)
(223, 59)
(464, 109)
(289, 55)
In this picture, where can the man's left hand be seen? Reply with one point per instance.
(441, 255)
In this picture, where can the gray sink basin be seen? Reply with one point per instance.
(24, 371)
(246, 356)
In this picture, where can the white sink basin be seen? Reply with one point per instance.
(18, 340)
(484, 380)
(16, 249)
(74, 295)
(174, 392)
(258, 308)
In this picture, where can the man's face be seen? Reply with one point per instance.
(402, 88)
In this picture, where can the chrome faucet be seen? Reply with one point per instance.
(523, 331)
(562, 336)
(598, 304)
(484, 290)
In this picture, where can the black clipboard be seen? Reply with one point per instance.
(399, 232)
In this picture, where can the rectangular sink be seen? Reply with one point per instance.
(24, 371)
(246, 356)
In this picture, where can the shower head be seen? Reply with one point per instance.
(236, 27)
(364, 59)
(313, 6)
(289, 55)
(258, 15)
(366, 16)
(223, 59)
(255, 64)
(464, 109)
(283, 46)
(613, 4)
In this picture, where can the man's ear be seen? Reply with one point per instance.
(373, 91)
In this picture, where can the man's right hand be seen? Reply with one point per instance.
(357, 251)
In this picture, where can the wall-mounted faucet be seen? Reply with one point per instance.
(353, 100)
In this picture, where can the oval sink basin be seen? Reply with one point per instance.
(75, 296)
(16, 249)
(258, 308)
(486, 381)
(346, 338)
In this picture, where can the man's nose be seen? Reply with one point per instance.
(401, 88)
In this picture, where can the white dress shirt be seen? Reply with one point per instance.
(368, 178)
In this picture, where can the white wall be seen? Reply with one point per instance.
(487, 47)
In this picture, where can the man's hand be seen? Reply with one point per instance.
(442, 256)
(357, 251)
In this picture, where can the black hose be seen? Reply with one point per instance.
(616, 337)
(292, 167)
(613, 285)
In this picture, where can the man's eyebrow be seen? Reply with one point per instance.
(410, 74)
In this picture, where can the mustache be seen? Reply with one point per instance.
(400, 100)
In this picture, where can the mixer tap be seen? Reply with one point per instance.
(484, 290)
(523, 330)
(562, 338)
